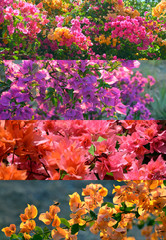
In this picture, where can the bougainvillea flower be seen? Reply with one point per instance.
(30, 212)
(59, 233)
(11, 173)
(50, 216)
(9, 230)
(28, 226)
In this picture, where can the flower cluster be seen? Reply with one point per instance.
(68, 36)
(3, 4)
(55, 6)
(131, 87)
(74, 90)
(56, 29)
(22, 21)
(160, 9)
(131, 29)
(30, 13)
(78, 150)
(123, 27)
(140, 202)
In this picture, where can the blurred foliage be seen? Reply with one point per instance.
(157, 69)
(158, 107)
(142, 5)
(2, 72)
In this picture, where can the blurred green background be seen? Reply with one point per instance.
(142, 5)
(157, 69)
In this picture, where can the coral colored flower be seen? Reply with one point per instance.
(11, 173)
(30, 212)
(94, 194)
(27, 236)
(50, 216)
(46, 218)
(103, 192)
(75, 202)
(9, 230)
(28, 226)
(77, 217)
(59, 233)
(56, 221)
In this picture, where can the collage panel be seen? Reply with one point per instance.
(83, 100)
(90, 29)
(82, 90)
(83, 150)
(93, 210)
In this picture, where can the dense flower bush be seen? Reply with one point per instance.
(141, 203)
(22, 22)
(83, 89)
(77, 149)
(57, 29)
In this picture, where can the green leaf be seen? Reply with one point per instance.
(98, 73)
(116, 225)
(128, 209)
(46, 231)
(103, 109)
(117, 217)
(16, 52)
(48, 95)
(20, 235)
(13, 237)
(100, 139)
(15, 57)
(117, 145)
(106, 85)
(123, 206)
(65, 222)
(50, 89)
(74, 228)
(62, 174)
(150, 222)
(54, 101)
(109, 204)
(82, 228)
(60, 98)
(164, 209)
(141, 224)
(91, 223)
(93, 215)
(37, 237)
(92, 150)
(137, 214)
(164, 182)
(29, 48)
(38, 230)
(70, 92)
(110, 174)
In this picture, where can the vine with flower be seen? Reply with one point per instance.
(141, 203)
(83, 89)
